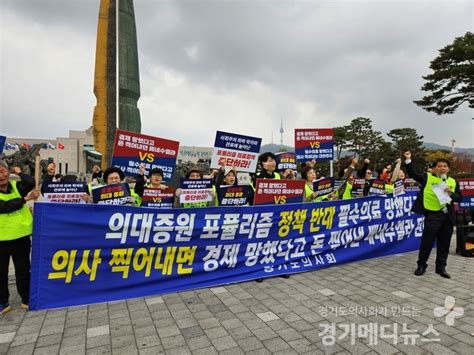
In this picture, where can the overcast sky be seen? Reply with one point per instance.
(236, 66)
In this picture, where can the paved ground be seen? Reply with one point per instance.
(373, 299)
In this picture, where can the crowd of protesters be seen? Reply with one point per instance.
(16, 221)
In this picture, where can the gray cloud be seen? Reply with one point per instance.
(237, 65)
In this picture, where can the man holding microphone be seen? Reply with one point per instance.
(435, 202)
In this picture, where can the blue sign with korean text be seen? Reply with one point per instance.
(323, 186)
(64, 192)
(115, 194)
(133, 149)
(237, 142)
(235, 151)
(233, 195)
(130, 252)
(196, 184)
(315, 144)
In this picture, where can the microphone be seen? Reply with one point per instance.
(444, 177)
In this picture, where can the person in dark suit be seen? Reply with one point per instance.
(439, 218)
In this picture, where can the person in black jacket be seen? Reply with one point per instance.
(439, 217)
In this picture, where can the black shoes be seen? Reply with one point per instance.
(285, 276)
(443, 273)
(420, 271)
(440, 271)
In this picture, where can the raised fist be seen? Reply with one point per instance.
(33, 195)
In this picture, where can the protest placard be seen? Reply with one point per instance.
(64, 192)
(196, 190)
(314, 143)
(235, 151)
(132, 149)
(158, 198)
(115, 194)
(275, 191)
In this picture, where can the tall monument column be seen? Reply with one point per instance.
(104, 121)
(129, 115)
(116, 49)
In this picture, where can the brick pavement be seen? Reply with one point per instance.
(280, 316)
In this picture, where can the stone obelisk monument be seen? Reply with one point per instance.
(116, 80)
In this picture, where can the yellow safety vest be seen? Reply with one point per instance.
(16, 224)
(138, 199)
(389, 188)
(430, 201)
(347, 191)
(308, 191)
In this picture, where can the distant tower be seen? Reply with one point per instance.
(116, 71)
(281, 132)
(453, 149)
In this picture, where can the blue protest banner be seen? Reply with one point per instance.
(85, 254)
